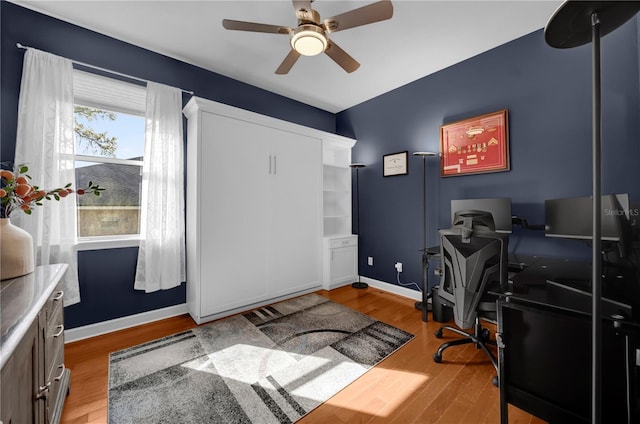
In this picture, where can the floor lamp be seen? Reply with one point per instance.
(358, 284)
(576, 23)
(421, 305)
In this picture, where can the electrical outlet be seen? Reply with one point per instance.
(370, 261)
(399, 266)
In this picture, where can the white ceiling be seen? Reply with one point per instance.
(423, 37)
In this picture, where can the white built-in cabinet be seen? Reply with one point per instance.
(255, 211)
(341, 260)
(336, 187)
(340, 246)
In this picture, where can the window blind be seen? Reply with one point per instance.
(108, 93)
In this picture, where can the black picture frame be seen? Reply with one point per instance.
(395, 164)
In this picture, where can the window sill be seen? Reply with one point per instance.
(108, 242)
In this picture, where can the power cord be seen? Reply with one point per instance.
(524, 224)
(406, 284)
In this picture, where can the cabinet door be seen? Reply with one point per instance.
(19, 381)
(233, 217)
(295, 197)
(343, 264)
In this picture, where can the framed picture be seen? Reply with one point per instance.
(395, 164)
(475, 145)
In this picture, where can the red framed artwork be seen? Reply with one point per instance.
(475, 145)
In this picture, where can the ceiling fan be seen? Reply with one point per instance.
(311, 38)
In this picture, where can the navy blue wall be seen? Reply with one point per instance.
(106, 276)
(548, 94)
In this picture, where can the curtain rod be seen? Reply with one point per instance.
(109, 71)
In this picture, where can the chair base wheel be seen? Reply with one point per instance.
(485, 334)
(437, 358)
(438, 333)
(495, 381)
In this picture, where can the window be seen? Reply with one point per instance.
(109, 136)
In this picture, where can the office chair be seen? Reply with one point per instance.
(473, 256)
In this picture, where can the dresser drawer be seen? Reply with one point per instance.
(343, 242)
(55, 371)
(53, 338)
(54, 302)
(56, 381)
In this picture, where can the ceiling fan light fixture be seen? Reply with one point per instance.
(309, 40)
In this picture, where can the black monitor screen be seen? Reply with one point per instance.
(500, 209)
(573, 217)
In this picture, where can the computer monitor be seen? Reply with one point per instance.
(573, 217)
(499, 208)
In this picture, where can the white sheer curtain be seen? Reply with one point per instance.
(45, 143)
(161, 257)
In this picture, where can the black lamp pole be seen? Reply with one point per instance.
(358, 284)
(425, 262)
(576, 23)
(424, 156)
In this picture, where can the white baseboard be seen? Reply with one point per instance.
(393, 288)
(338, 285)
(97, 329)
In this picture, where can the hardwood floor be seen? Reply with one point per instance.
(407, 387)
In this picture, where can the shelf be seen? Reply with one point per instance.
(335, 166)
(336, 188)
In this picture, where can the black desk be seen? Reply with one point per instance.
(544, 331)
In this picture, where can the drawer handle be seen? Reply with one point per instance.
(58, 295)
(58, 378)
(42, 391)
(60, 330)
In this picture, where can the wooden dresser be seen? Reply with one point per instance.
(34, 381)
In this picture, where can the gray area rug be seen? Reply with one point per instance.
(270, 365)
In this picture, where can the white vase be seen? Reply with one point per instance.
(16, 250)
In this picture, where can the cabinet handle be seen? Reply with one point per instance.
(42, 391)
(499, 341)
(269, 164)
(58, 378)
(58, 295)
(60, 330)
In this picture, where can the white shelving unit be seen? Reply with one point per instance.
(336, 188)
(340, 245)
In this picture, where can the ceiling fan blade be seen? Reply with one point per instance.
(255, 27)
(341, 57)
(374, 12)
(288, 62)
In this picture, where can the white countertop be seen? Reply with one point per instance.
(21, 299)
